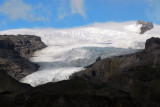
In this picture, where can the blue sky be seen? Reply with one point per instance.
(71, 13)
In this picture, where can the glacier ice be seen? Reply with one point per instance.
(70, 50)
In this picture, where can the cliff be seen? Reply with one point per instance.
(15, 52)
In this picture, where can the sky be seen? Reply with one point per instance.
(15, 14)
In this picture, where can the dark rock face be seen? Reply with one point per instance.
(76, 93)
(145, 26)
(137, 74)
(25, 45)
(15, 52)
(142, 82)
(9, 84)
(152, 43)
(9, 88)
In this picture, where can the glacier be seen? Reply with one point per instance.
(70, 50)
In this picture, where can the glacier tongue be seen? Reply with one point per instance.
(70, 50)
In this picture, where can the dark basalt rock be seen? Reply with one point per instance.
(15, 52)
(145, 26)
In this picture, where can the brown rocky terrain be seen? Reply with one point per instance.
(15, 52)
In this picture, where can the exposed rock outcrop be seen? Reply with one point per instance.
(137, 74)
(145, 26)
(25, 45)
(103, 69)
(15, 52)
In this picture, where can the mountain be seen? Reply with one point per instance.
(137, 86)
(113, 74)
(71, 50)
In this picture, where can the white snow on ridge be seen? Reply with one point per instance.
(70, 50)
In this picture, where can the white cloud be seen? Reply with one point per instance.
(17, 9)
(74, 7)
(77, 6)
(63, 10)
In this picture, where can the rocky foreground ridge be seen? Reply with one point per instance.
(123, 81)
(15, 52)
(137, 74)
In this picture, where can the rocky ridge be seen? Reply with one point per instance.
(137, 74)
(76, 92)
(103, 69)
(15, 52)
